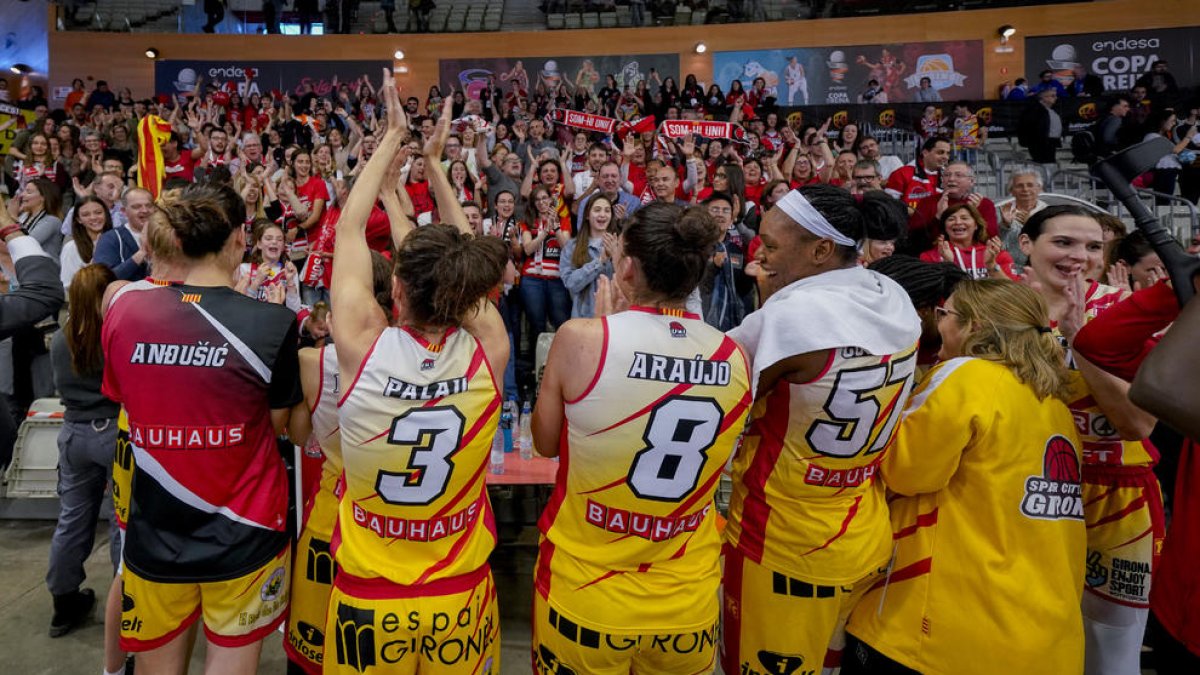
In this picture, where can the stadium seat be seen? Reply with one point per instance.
(33, 471)
(555, 21)
(574, 20)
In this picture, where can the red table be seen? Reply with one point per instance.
(517, 471)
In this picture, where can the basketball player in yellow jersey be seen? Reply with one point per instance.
(312, 566)
(644, 407)
(1122, 501)
(413, 592)
(833, 352)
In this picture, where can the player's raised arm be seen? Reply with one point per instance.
(448, 205)
(354, 319)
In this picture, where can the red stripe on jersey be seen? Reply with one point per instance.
(455, 550)
(755, 509)
(603, 577)
(1101, 496)
(850, 513)
(644, 567)
(1085, 402)
(541, 576)
(602, 488)
(473, 482)
(912, 571)
(379, 588)
(696, 495)
(923, 520)
(560, 482)
(731, 609)
(736, 413)
(235, 641)
(1137, 538)
(599, 366)
(320, 389)
(136, 645)
(825, 370)
(1129, 508)
(727, 347)
(360, 370)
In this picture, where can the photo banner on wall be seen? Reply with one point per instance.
(289, 77)
(1001, 118)
(586, 72)
(25, 118)
(836, 75)
(1118, 59)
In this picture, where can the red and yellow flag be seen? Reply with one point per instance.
(153, 132)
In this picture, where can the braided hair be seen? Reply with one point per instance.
(927, 284)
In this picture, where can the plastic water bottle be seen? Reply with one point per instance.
(508, 420)
(527, 431)
(497, 462)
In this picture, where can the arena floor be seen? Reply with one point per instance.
(25, 609)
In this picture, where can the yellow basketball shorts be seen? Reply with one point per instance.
(313, 570)
(236, 612)
(448, 627)
(772, 623)
(564, 647)
(1123, 509)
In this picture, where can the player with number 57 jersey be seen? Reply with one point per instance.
(644, 408)
(833, 351)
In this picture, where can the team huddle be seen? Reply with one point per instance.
(886, 516)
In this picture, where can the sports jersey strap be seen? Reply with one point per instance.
(320, 382)
(599, 365)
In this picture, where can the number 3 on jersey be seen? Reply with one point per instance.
(855, 404)
(678, 435)
(434, 434)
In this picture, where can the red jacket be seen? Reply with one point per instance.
(925, 217)
(1117, 341)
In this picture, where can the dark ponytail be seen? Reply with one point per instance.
(445, 273)
(673, 245)
(203, 217)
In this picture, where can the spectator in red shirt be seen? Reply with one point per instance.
(920, 178)
(958, 187)
(963, 241)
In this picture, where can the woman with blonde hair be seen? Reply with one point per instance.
(988, 522)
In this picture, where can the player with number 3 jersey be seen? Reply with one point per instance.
(833, 350)
(413, 591)
(644, 407)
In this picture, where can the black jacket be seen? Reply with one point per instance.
(40, 295)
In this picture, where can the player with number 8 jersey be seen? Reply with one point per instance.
(644, 407)
(834, 353)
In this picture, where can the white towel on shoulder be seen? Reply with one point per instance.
(851, 307)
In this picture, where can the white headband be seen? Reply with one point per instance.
(807, 216)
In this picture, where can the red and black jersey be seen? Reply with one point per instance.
(199, 370)
(911, 183)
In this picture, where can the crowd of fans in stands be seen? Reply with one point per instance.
(293, 157)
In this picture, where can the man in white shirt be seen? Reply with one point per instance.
(868, 148)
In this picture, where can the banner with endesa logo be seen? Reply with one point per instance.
(290, 77)
(824, 75)
(1118, 58)
(577, 72)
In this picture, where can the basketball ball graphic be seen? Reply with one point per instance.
(1061, 462)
